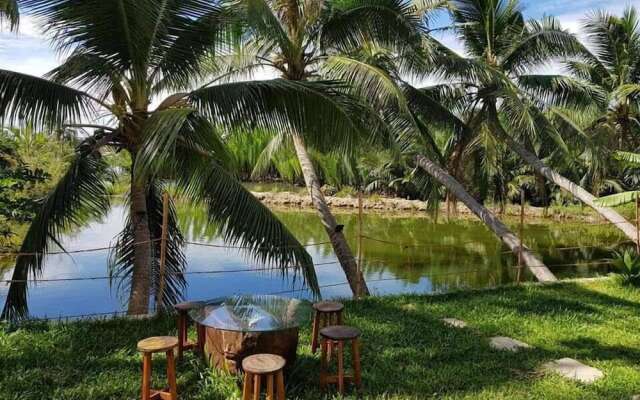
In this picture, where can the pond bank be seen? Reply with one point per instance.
(398, 205)
(407, 351)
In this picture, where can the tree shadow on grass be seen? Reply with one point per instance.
(412, 353)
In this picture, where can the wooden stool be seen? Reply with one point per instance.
(156, 345)
(327, 313)
(182, 309)
(336, 336)
(256, 367)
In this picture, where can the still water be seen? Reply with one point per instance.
(411, 254)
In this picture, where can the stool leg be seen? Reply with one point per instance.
(248, 386)
(323, 362)
(339, 317)
(314, 334)
(357, 374)
(270, 386)
(182, 333)
(340, 358)
(280, 385)
(146, 376)
(171, 375)
(256, 387)
(329, 350)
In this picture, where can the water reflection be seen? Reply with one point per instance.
(409, 254)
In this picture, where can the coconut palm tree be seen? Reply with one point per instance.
(610, 65)
(414, 114)
(499, 41)
(294, 39)
(124, 55)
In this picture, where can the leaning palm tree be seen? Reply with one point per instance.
(294, 39)
(413, 114)
(499, 41)
(123, 56)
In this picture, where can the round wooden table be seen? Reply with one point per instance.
(240, 326)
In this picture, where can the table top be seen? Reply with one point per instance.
(252, 313)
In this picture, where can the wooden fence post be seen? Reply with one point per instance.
(521, 248)
(359, 263)
(163, 249)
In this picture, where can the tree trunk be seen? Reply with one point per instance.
(336, 236)
(141, 276)
(578, 192)
(533, 263)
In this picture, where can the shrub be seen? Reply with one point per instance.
(627, 264)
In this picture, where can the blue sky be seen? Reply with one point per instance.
(28, 51)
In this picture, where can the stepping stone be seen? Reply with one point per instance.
(573, 369)
(454, 323)
(508, 344)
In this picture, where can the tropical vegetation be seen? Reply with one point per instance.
(364, 95)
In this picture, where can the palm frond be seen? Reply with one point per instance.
(121, 258)
(349, 24)
(241, 218)
(10, 12)
(80, 195)
(39, 101)
(563, 91)
(321, 111)
(631, 158)
(617, 199)
(544, 41)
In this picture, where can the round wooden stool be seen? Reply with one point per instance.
(182, 309)
(256, 367)
(334, 337)
(326, 313)
(152, 345)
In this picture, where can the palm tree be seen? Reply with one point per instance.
(501, 43)
(612, 69)
(294, 38)
(376, 74)
(123, 55)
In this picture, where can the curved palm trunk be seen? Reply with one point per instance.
(140, 278)
(578, 192)
(338, 241)
(533, 263)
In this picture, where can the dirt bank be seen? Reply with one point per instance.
(395, 205)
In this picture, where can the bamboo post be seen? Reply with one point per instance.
(638, 223)
(359, 263)
(521, 248)
(163, 248)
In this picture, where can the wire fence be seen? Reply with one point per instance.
(254, 269)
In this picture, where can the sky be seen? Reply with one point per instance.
(29, 51)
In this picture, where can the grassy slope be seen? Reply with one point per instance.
(407, 352)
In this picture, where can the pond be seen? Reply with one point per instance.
(410, 254)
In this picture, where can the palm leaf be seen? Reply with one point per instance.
(563, 91)
(80, 195)
(327, 117)
(617, 199)
(41, 102)
(121, 258)
(10, 13)
(631, 158)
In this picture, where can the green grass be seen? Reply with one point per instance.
(407, 352)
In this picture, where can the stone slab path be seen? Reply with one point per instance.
(508, 344)
(454, 323)
(574, 369)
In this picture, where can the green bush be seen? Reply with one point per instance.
(627, 264)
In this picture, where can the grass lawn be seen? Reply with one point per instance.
(407, 352)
